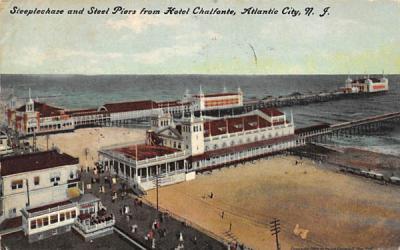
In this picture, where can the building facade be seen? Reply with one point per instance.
(34, 180)
(176, 149)
(35, 117)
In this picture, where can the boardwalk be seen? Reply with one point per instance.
(166, 236)
(358, 126)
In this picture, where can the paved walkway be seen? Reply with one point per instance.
(167, 235)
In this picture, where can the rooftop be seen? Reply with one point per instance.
(82, 112)
(238, 124)
(129, 106)
(44, 109)
(271, 112)
(169, 104)
(35, 161)
(48, 206)
(142, 151)
(218, 94)
(363, 80)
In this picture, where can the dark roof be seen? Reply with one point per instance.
(129, 106)
(218, 94)
(44, 109)
(271, 111)
(84, 112)
(45, 207)
(145, 151)
(35, 161)
(11, 223)
(235, 124)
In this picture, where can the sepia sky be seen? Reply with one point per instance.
(356, 37)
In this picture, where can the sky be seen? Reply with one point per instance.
(358, 36)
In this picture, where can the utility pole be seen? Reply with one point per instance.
(275, 228)
(34, 141)
(47, 141)
(156, 182)
(157, 190)
(27, 193)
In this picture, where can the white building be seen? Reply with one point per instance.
(34, 180)
(176, 149)
(40, 195)
(214, 101)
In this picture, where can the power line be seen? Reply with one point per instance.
(275, 227)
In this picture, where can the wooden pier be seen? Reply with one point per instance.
(302, 99)
(322, 132)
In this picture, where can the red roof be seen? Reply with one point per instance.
(44, 109)
(218, 94)
(129, 106)
(35, 161)
(239, 148)
(11, 223)
(271, 111)
(45, 207)
(145, 151)
(235, 124)
(83, 112)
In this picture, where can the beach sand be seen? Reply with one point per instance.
(92, 139)
(337, 209)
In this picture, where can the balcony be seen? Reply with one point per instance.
(91, 227)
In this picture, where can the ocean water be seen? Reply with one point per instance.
(80, 91)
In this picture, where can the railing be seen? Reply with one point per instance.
(95, 227)
(160, 176)
(189, 223)
(162, 158)
(131, 161)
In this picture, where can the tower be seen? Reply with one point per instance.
(348, 82)
(160, 121)
(29, 106)
(193, 135)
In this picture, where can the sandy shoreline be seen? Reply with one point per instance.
(338, 210)
(75, 143)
